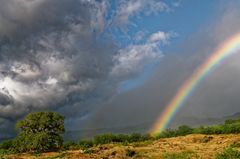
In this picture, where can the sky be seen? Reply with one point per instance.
(108, 64)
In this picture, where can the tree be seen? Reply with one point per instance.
(41, 131)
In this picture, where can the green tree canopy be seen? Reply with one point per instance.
(41, 131)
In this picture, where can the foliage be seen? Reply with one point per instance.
(181, 131)
(70, 145)
(104, 139)
(130, 153)
(39, 132)
(235, 145)
(120, 138)
(7, 144)
(4, 152)
(231, 121)
(178, 155)
(228, 153)
(229, 127)
(167, 134)
(88, 151)
(85, 144)
(184, 130)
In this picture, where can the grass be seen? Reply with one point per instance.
(179, 155)
(61, 155)
(229, 153)
(235, 145)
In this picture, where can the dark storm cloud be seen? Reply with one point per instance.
(56, 55)
(50, 58)
(48, 52)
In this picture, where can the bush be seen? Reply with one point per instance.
(167, 134)
(69, 145)
(7, 144)
(229, 127)
(85, 144)
(130, 153)
(120, 138)
(228, 153)
(136, 137)
(231, 121)
(235, 145)
(184, 130)
(104, 139)
(178, 155)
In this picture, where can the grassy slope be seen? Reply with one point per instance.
(185, 147)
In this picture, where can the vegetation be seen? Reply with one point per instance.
(7, 144)
(130, 153)
(229, 127)
(178, 155)
(39, 132)
(106, 139)
(120, 138)
(42, 132)
(229, 153)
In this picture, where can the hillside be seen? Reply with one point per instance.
(191, 146)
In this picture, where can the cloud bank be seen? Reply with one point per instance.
(58, 55)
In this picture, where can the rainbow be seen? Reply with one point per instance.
(229, 47)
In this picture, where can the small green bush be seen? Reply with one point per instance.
(7, 144)
(178, 155)
(68, 145)
(130, 153)
(184, 130)
(167, 134)
(136, 137)
(4, 152)
(229, 153)
(89, 151)
(85, 144)
(104, 139)
(235, 145)
(120, 138)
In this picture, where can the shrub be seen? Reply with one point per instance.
(178, 155)
(228, 153)
(235, 145)
(232, 128)
(85, 144)
(136, 137)
(130, 153)
(231, 121)
(120, 138)
(69, 145)
(184, 130)
(167, 134)
(7, 144)
(104, 139)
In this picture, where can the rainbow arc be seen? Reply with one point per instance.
(229, 47)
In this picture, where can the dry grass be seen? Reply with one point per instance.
(191, 146)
